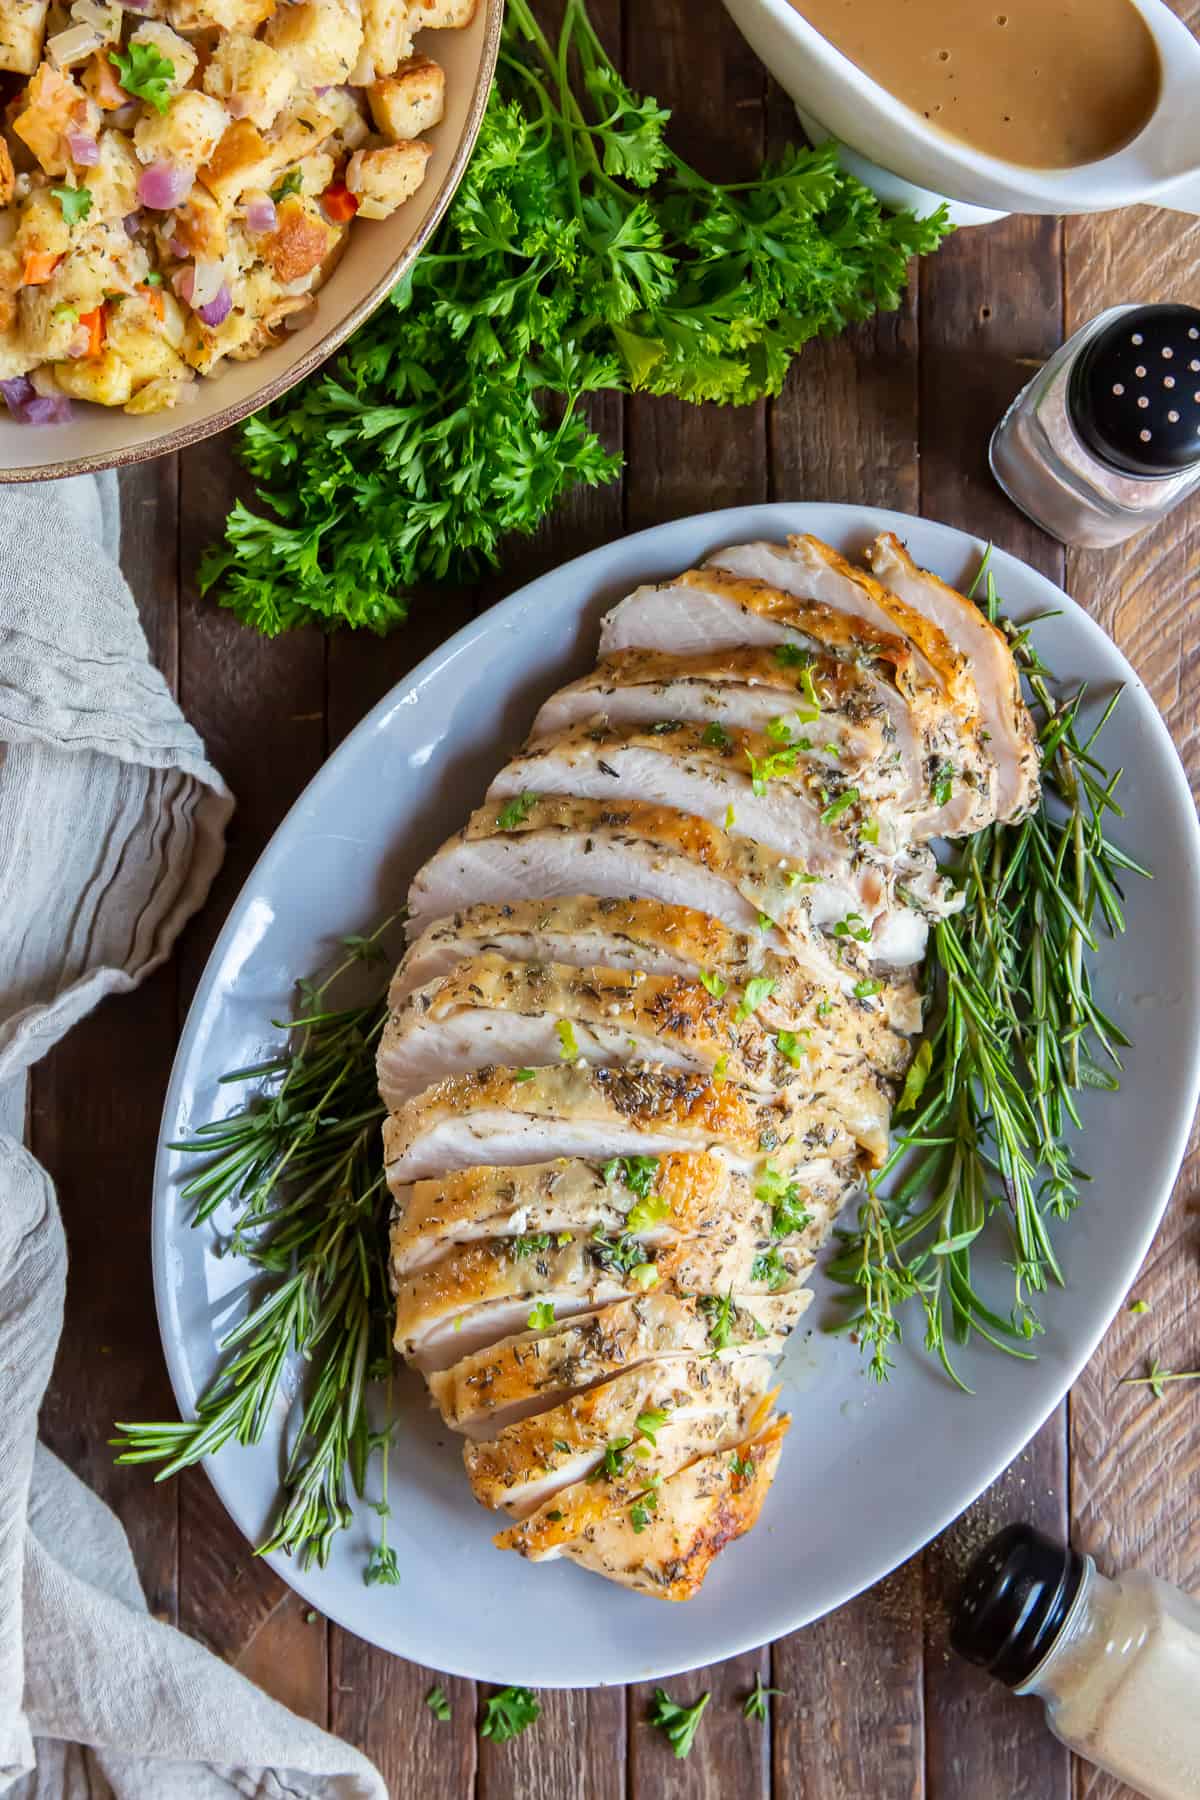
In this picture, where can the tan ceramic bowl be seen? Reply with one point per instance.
(377, 255)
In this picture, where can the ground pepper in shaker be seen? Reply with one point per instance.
(1116, 1662)
(1105, 440)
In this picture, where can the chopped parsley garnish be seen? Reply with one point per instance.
(568, 1046)
(678, 1723)
(792, 876)
(291, 183)
(154, 279)
(637, 1173)
(742, 1467)
(942, 784)
(793, 656)
(753, 994)
(720, 1069)
(779, 729)
(508, 1713)
(438, 1704)
(852, 927)
(869, 831)
(541, 1316)
(833, 750)
(824, 1008)
(647, 1212)
(842, 804)
(718, 1310)
(651, 1422)
(769, 768)
(524, 1074)
(755, 1706)
(765, 922)
(644, 1275)
(713, 983)
(730, 818)
(530, 1246)
(771, 1268)
(75, 203)
(612, 1464)
(806, 714)
(622, 1253)
(792, 1045)
(145, 73)
(783, 1197)
(863, 990)
(664, 727)
(716, 736)
(517, 811)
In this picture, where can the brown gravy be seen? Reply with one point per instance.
(1046, 83)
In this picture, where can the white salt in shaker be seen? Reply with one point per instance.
(1116, 1662)
(1105, 439)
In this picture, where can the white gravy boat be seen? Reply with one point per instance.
(1161, 165)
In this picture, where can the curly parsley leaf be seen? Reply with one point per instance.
(677, 1723)
(145, 74)
(508, 1713)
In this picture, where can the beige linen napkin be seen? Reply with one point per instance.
(111, 829)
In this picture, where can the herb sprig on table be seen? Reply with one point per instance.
(580, 254)
(1015, 1035)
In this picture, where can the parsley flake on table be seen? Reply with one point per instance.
(756, 1705)
(579, 255)
(508, 1713)
(438, 1704)
(677, 1723)
(145, 74)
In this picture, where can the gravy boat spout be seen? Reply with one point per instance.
(1161, 165)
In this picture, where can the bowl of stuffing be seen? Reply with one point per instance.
(201, 199)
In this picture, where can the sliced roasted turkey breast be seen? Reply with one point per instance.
(665, 1542)
(1010, 738)
(525, 1373)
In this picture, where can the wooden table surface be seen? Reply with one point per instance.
(897, 415)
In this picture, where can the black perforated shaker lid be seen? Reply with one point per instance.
(1135, 391)
(1014, 1601)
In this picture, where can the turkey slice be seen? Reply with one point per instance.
(665, 1543)
(517, 1375)
(646, 1420)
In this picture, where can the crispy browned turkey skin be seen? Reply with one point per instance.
(644, 1045)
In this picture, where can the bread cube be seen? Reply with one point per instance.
(100, 82)
(7, 174)
(223, 15)
(168, 43)
(22, 28)
(41, 229)
(163, 392)
(200, 225)
(243, 159)
(300, 129)
(106, 379)
(188, 132)
(387, 39)
(442, 15)
(320, 39)
(410, 102)
(381, 180)
(350, 126)
(53, 106)
(300, 241)
(113, 181)
(246, 72)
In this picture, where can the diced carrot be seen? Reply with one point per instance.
(39, 266)
(339, 203)
(154, 296)
(94, 321)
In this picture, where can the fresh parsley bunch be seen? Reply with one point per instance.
(579, 254)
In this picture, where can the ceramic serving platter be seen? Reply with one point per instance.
(869, 1473)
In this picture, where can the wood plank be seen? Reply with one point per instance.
(850, 1718)
(575, 1751)
(990, 309)
(97, 1139)
(1142, 593)
(378, 1703)
(260, 707)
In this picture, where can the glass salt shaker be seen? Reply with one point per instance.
(1115, 1662)
(1105, 440)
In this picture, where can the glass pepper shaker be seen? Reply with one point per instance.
(1105, 440)
(1115, 1662)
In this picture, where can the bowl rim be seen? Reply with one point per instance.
(182, 437)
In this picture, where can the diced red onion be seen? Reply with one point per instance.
(217, 310)
(318, 91)
(132, 223)
(17, 391)
(260, 215)
(207, 284)
(163, 185)
(182, 281)
(177, 247)
(85, 151)
(125, 117)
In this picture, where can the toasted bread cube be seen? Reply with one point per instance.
(220, 15)
(113, 181)
(188, 132)
(387, 39)
(300, 130)
(319, 38)
(300, 241)
(106, 379)
(168, 43)
(410, 102)
(200, 225)
(241, 160)
(163, 392)
(22, 28)
(249, 74)
(41, 228)
(381, 180)
(100, 81)
(351, 128)
(7, 174)
(53, 106)
(442, 15)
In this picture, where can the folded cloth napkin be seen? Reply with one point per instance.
(111, 830)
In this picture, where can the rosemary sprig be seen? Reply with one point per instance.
(1017, 1032)
(301, 1162)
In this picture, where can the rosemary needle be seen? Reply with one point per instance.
(1016, 1033)
(300, 1161)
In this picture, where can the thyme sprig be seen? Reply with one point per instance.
(1017, 1032)
(301, 1162)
